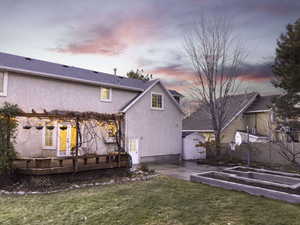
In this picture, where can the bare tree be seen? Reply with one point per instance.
(217, 57)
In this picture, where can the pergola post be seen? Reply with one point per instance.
(77, 144)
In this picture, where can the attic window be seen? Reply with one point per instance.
(157, 101)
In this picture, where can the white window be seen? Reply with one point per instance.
(49, 137)
(105, 94)
(157, 101)
(3, 83)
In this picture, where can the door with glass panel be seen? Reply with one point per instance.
(66, 140)
(133, 150)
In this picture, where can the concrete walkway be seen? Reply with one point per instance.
(184, 170)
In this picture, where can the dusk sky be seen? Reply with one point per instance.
(141, 34)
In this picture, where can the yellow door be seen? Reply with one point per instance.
(63, 142)
(67, 141)
(73, 138)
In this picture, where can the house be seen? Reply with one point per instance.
(152, 116)
(245, 113)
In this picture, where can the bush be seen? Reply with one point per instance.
(8, 128)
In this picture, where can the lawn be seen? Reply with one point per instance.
(159, 201)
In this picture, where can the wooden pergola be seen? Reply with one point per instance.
(79, 117)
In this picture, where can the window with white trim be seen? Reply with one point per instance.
(157, 101)
(3, 83)
(105, 94)
(49, 137)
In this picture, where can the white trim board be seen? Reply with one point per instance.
(208, 131)
(258, 111)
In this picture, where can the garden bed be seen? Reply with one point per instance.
(253, 182)
(258, 170)
(272, 184)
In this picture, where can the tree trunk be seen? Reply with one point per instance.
(8, 141)
(218, 144)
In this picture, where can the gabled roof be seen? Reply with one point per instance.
(137, 98)
(261, 104)
(41, 68)
(58, 71)
(201, 119)
(175, 93)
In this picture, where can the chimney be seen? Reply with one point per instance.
(115, 71)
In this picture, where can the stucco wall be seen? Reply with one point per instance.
(158, 131)
(40, 93)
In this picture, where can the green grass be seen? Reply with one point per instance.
(159, 201)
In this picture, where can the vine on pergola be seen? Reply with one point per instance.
(90, 121)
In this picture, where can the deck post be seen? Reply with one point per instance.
(75, 164)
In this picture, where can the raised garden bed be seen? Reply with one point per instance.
(250, 169)
(276, 185)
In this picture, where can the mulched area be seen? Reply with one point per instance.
(23, 184)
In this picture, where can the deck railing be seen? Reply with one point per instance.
(66, 164)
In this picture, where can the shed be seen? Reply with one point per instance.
(190, 149)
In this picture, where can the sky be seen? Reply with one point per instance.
(142, 34)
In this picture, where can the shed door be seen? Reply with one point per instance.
(133, 148)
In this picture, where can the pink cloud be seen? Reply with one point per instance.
(175, 71)
(112, 39)
(255, 77)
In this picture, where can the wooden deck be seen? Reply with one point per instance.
(60, 165)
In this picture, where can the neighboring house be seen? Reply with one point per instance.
(244, 112)
(153, 117)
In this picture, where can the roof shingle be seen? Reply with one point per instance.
(261, 103)
(201, 119)
(64, 71)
